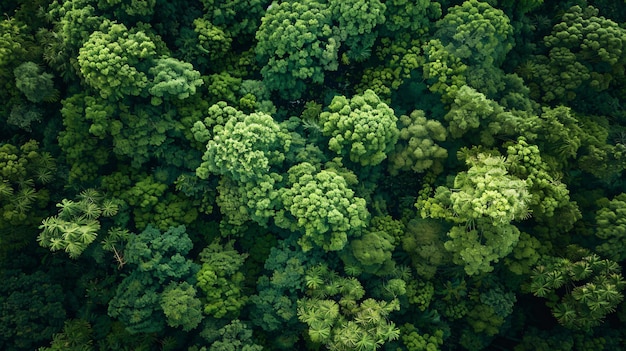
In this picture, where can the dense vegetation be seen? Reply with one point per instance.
(399, 175)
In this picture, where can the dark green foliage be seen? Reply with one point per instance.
(353, 175)
(160, 278)
(25, 172)
(76, 336)
(595, 288)
(32, 309)
(37, 86)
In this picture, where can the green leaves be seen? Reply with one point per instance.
(108, 60)
(595, 288)
(296, 45)
(416, 149)
(484, 201)
(173, 77)
(347, 323)
(362, 128)
(77, 225)
(37, 86)
(159, 284)
(221, 280)
(321, 206)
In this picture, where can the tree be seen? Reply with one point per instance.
(160, 281)
(362, 128)
(296, 45)
(339, 317)
(109, 60)
(180, 306)
(221, 280)
(173, 78)
(37, 86)
(484, 201)
(611, 228)
(77, 225)
(33, 309)
(247, 151)
(321, 206)
(594, 287)
(416, 149)
(476, 32)
(25, 174)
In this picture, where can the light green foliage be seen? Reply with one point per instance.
(37, 86)
(399, 57)
(611, 227)
(356, 22)
(476, 249)
(414, 341)
(595, 287)
(11, 40)
(108, 60)
(548, 196)
(487, 192)
(32, 309)
(173, 77)
(467, 111)
(363, 128)
(321, 206)
(244, 148)
(77, 225)
(443, 71)
(484, 201)
(420, 293)
(157, 259)
(416, 149)
(296, 45)
(180, 306)
(212, 40)
(246, 151)
(525, 255)
(472, 111)
(223, 86)
(221, 280)
(410, 16)
(339, 317)
(476, 32)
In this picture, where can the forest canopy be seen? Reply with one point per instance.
(397, 175)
